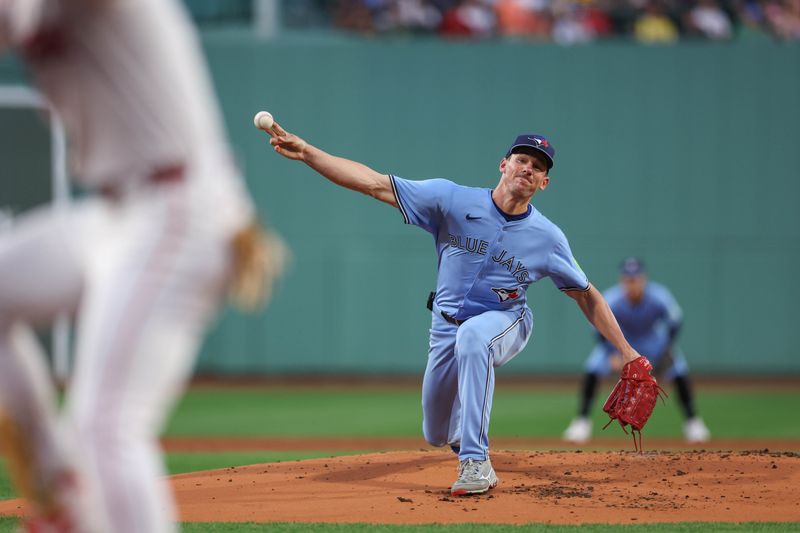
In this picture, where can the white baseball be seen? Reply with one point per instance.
(263, 120)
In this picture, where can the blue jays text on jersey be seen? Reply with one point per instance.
(474, 245)
(487, 259)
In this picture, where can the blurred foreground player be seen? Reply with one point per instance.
(144, 261)
(650, 318)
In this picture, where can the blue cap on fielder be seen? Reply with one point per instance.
(537, 142)
(632, 266)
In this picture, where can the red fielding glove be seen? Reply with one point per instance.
(634, 397)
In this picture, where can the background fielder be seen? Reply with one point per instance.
(491, 245)
(650, 318)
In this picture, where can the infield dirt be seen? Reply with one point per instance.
(560, 487)
(543, 487)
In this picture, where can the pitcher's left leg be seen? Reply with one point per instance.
(484, 342)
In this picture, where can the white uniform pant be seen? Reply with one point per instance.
(144, 276)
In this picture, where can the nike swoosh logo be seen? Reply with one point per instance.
(470, 217)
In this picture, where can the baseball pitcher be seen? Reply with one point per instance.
(491, 245)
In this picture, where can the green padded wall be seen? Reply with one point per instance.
(686, 155)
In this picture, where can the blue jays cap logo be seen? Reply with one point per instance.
(538, 142)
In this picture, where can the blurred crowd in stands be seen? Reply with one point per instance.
(575, 21)
(560, 21)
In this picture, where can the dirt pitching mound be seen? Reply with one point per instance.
(543, 487)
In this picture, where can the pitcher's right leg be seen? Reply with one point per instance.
(440, 402)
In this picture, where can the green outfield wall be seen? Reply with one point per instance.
(686, 155)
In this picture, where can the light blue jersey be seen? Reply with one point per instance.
(649, 326)
(487, 260)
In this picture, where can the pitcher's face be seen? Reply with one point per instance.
(524, 172)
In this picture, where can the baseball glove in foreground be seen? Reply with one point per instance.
(634, 397)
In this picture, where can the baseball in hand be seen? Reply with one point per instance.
(263, 120)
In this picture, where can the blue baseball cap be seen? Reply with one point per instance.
(632, 266)
(537, 142)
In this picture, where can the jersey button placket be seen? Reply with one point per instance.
(486, 261)
(502, 234)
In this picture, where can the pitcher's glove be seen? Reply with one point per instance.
(634, 397)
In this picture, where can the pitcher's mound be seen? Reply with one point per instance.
(549, 487)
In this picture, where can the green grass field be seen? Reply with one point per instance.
(746, 412)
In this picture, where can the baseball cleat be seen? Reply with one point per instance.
(579, 431)
(695, 431)
(474, 477)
